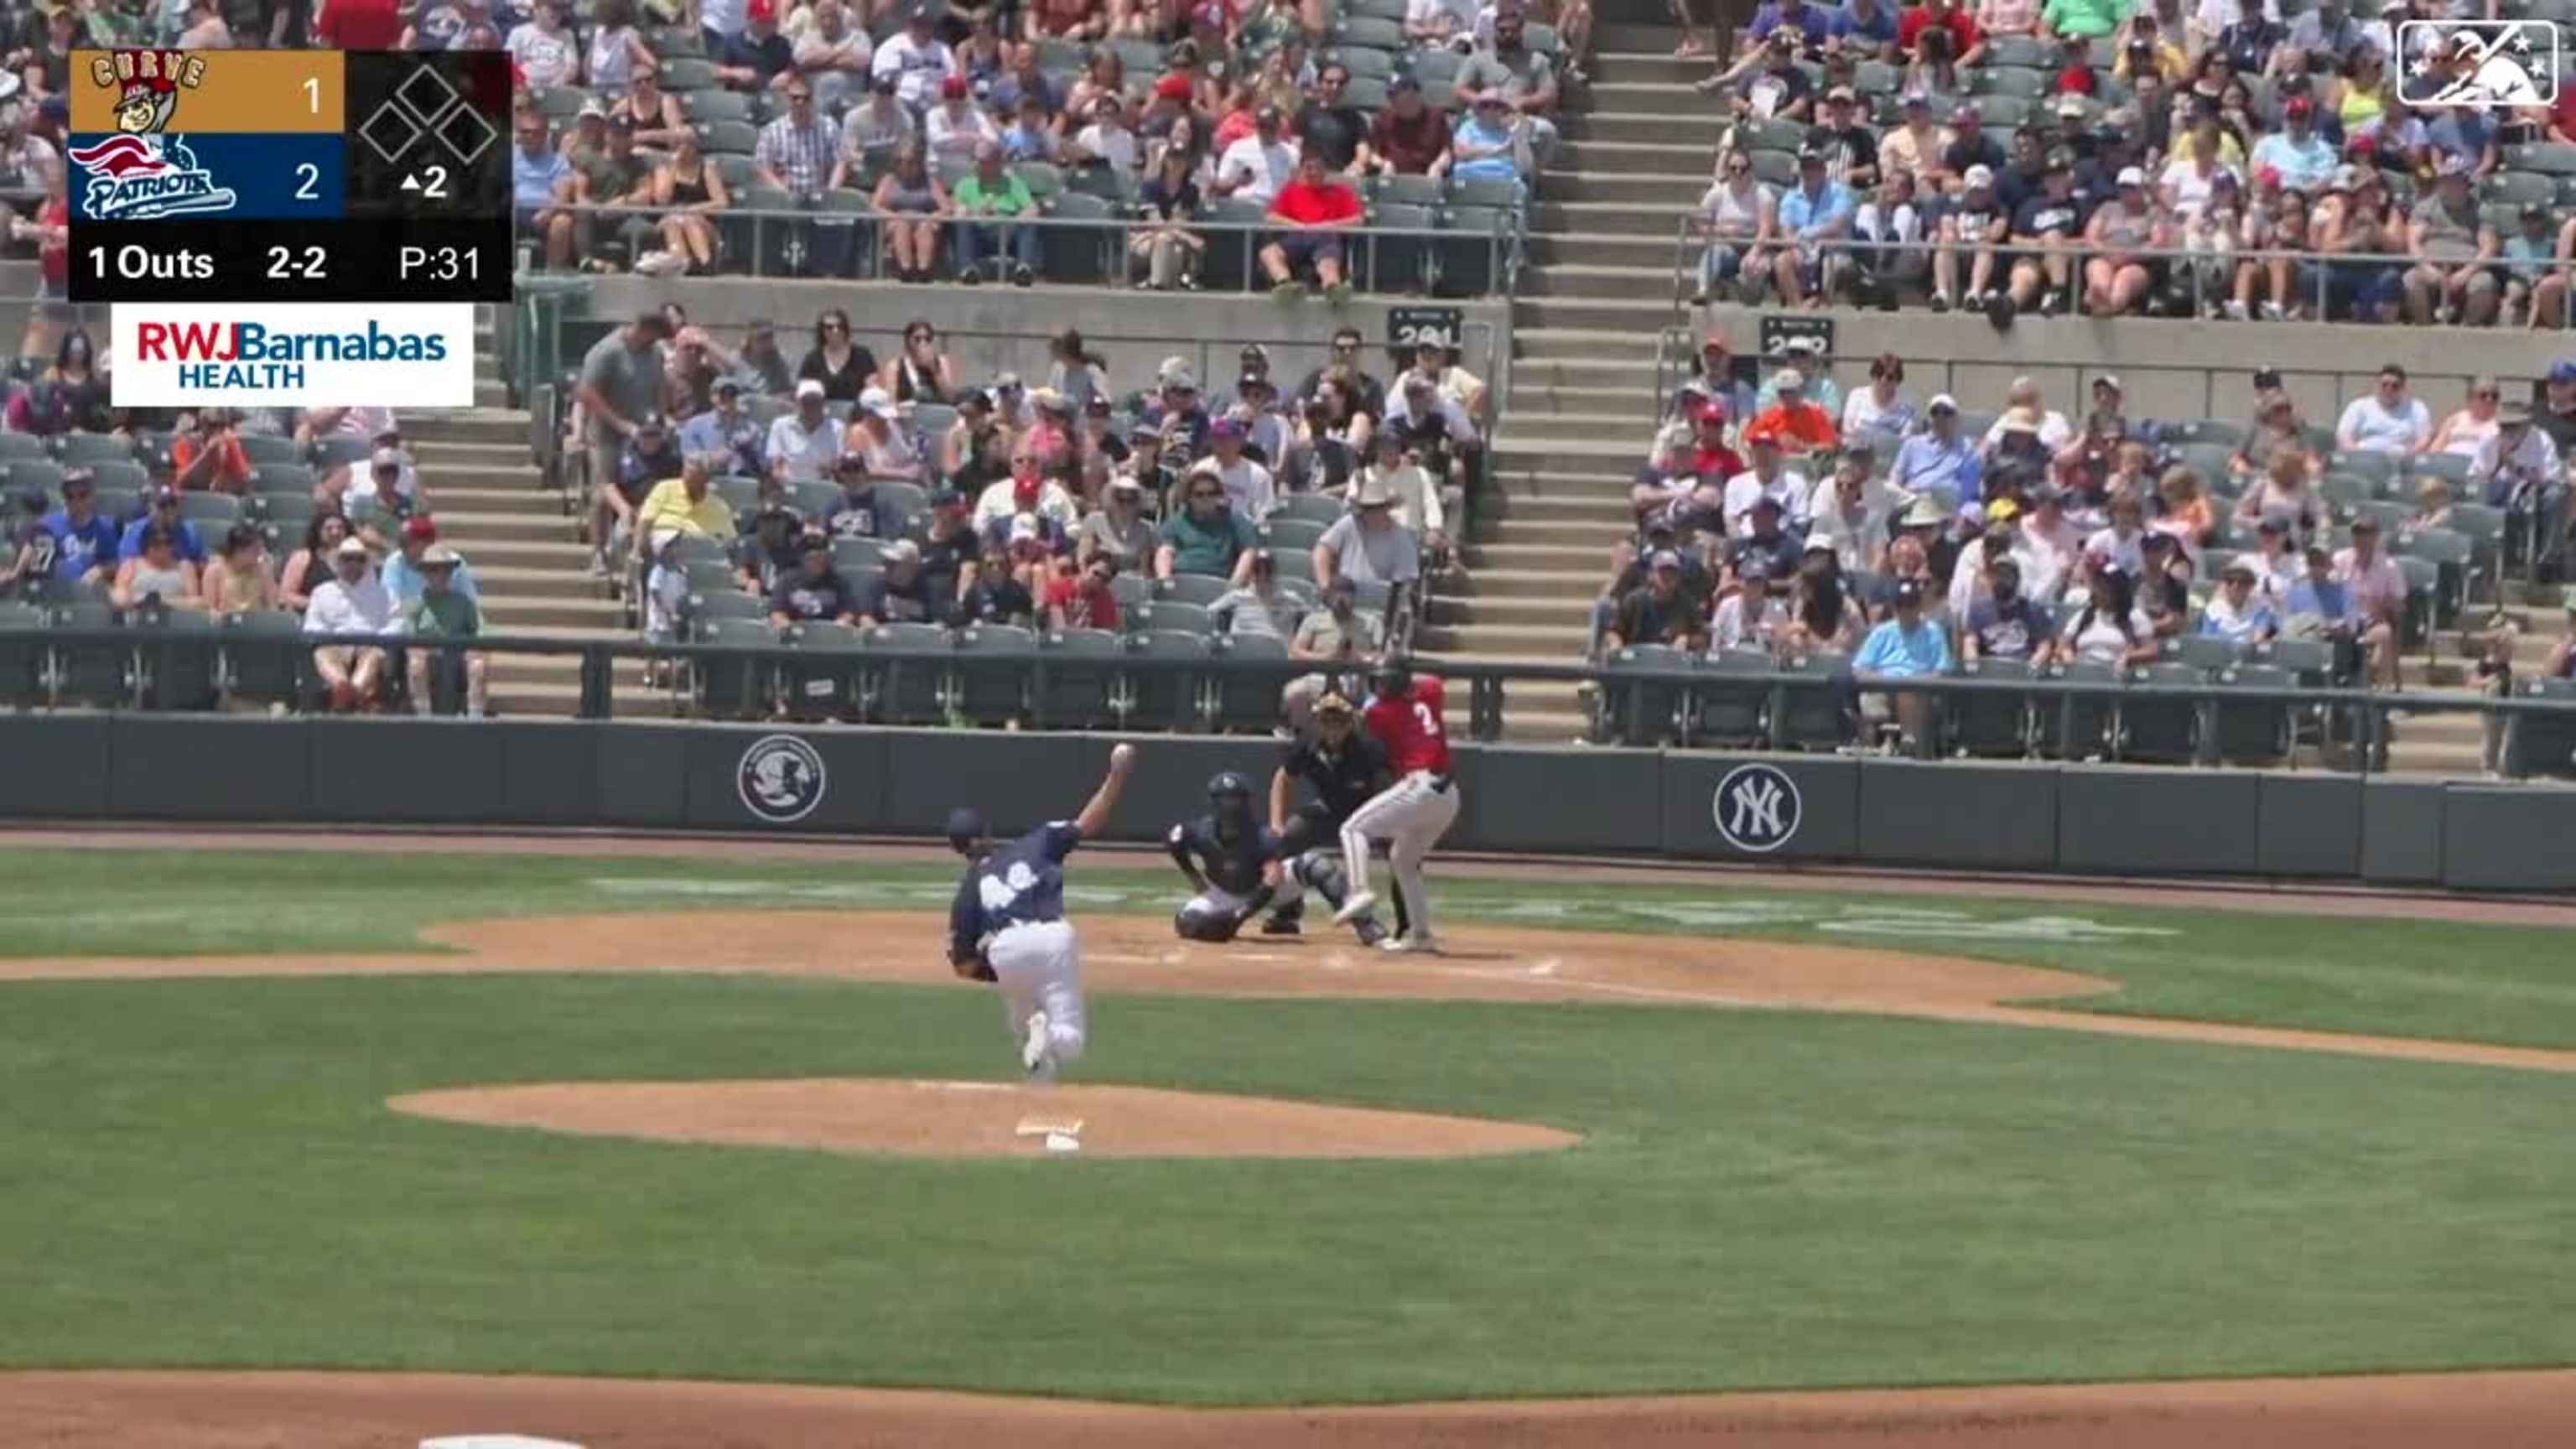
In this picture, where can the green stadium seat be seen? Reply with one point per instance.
(1356, 31)
(742, 495)
(1390, 255)
(98, 675)
(41, 474)
(2202, 652)
(1081, 254)
(213, 513)
(15, 446)
(1990, 726)
(2548, 158)
(1199, 589)
(75, 448)
(908, 690)
(1639, 710)
(1810, 715)
(703, 106)
(687, 73)
(2159, 731)
(724, 604)
(2509, 191)
(712, 576)
(1729, 704)
(1248, 703)
(2543, 744)
(824, 678)
(22, 661)
(994, 663)
(1170, 615)
(264, 660)
(176, 658)
(1077, 679)
(2254, 734)
(1364, 62)
(1283, 533)
(1135, 591)
(1166, 698)
(2077, 726)
(268, 449)
(741, 685)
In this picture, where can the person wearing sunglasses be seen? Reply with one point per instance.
(1205, 535)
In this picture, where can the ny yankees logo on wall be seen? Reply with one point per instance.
(1756, 808)
(780, 779)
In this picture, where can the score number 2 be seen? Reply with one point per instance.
(290, 264)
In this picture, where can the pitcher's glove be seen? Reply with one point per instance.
(971, 965)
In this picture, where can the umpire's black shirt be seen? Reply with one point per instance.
(1343, 780)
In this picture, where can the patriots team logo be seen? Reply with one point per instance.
(135, 178)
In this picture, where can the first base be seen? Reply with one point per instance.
(495, 1441)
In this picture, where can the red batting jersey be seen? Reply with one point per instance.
(1415, 736)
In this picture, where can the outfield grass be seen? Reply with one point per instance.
(2512, 985)
(202, 1173)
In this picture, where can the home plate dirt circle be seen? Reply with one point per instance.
(978, 1119)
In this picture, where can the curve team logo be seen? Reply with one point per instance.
(1757, 808)
(780, 779)
(141, 171)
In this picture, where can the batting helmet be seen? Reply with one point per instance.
(1392, 678)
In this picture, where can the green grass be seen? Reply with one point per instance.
(201, 1173)
(2503, 984)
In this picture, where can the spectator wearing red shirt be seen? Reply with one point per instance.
(360, 24)
(1964, 35)
(1319, 206)
(1409, 138)
(1084, 600)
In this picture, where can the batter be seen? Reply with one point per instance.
(1412, 814)
(1007, 923)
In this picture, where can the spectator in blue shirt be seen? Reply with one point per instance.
(2305, 159)
(2317, 605)
(161, 510)
(85, 545)
(1812, 24)
(858, 512)
(728, 432)
(1939, 460)
(1866, 26)
(1905, 645)
(1814, 216)
(540, 187)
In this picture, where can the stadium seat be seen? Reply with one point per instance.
(1637, 709)
(1170, 615)
(1082, 255)
(1366, 93)
(1322, 508)
(704, 106)
(15, 446)
(2454, 555)
(263, 661)
(908, 690)
(1076, 680)
(176, 659)
(1134, 591)
(1165, 699)
(1730, 702)
(742, 495)
(1363, 62)
(1990, 725)
(1473, 260)
(683, 74)
(339, 450)
(22, 661)
(2081, 722)
(1248, 703)
(812, 499)
(2548, 158)
(1283, 533)
(1354, 31)
(736, 686)
(120, 478)
(40, 474)
(2202, 652)
(1811, 714)
(992, 672)
(912, 498)
(74, 448)
(2543, 744)
(712, 576)
(1437, 70)
(214, 514)
(284, 475)
(1391, 256)
(1199, 589)
(98, 675)
(2160, 731)
(825, 679)
(2249, 733)
(2020, 52)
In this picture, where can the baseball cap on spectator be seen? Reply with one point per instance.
(949, 500)
(953, 87)
(418, 528)
(1804, 345)
(1818, 543)
(1942, 403)
(2019, 420)
(1918, 100)
(2454, 165)
(1979, 176)
(1711, 411)
(1172, 88)
(1909, 591)
(1264, 561)
(1267, 118)
(2131, 176)
(1125, 483)
(809, 387)
(2069, 106)
(1786, 381)
(1841, 96)
(2002, 510)
(391, 459)
(2107, 382)
(885, 85)
(2060, 159)
(1968, 111)
(441, 557)
(1180, 380)
(2299, 107)
(1811, 155)
(1226, 428)
(1781, 39)
(1254, 355)
(1402, 85)
(1375, 492)
(2563, 371)
(593, 109)
(1665, 559)
(1754, 568)
(877, 402)
(1048, 400)
(351, 547)
(1140, 428)
(1714, 342)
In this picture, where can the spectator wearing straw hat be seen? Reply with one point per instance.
(1367, 545)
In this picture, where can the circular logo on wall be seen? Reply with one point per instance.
(780, 779)
(1756, 808)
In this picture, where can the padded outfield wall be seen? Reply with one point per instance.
(1695, 805)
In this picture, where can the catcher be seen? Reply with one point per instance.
(1231, 860)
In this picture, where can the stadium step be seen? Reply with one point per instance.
(478, 425)
(1583, 281)
(442, 452)
(1595, 535)
(504, 583)
(447, 497)
(1643, 124)
(509, 615)
(1606, 249)
(1547, 611)
(1641, 319)
(1668, 155)
(1544, 563)
(1587, 397)
(1671, 191)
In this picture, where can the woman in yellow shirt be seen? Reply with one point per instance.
(2360, 95)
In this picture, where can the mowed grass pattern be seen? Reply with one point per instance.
(202, 1173)
(2509, 985)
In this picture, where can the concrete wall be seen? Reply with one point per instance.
(1003, 329)
(2170, 369)
(1818, 810)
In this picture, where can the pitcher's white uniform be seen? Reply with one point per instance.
(1411, 814)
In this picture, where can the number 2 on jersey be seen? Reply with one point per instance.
(1430, 722)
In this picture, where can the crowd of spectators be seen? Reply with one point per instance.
(1913, 536)
(954, 127)
(825, 486)
(2120, 157)
(258, 515)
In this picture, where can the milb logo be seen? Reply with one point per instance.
(222, 355)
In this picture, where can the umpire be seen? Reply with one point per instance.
(1343, 769)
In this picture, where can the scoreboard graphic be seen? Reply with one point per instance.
(303, 176)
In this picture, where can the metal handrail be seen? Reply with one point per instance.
(1484, 682)
(1502, 241)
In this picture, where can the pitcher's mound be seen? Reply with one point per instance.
(978, 1119)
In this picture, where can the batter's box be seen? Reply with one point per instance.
(2487, 65)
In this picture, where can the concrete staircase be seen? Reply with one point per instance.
(1593, 300)
(522, 538)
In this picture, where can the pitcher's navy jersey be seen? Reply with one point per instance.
(1231, 865)
(1020, 884)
